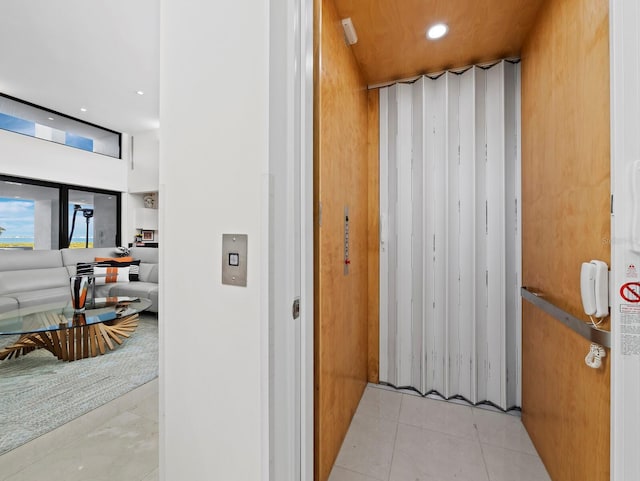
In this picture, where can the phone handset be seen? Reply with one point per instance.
(594, 287)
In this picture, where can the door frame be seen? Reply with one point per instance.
(624, 17)
(307, 288)
(288, 193)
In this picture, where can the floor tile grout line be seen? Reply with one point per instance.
(377, 418)
(393, 453)
(484, 461)
(395, 440)
(146, 475)
(518, 451)
(355, 472)
(457, 436)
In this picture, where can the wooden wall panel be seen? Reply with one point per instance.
(565, 403)
(341, 308)
(373, 149)
(566, 221)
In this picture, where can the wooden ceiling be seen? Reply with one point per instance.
(391, 34)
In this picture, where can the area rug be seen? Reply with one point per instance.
(39, 393)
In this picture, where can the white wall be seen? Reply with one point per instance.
(143, 169)
(143, 172)
(213, 151)
(25, 156)
(624, 19)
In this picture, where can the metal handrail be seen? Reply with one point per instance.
(586, 330)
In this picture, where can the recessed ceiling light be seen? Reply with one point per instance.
(140, 92)
(50, 118)
(436, 31)
(82, 109)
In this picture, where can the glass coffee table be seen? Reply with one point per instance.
(70, 335)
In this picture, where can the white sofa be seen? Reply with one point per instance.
(30, 278)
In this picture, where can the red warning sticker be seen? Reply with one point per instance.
(630, 292)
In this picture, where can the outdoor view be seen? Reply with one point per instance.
(18, 224)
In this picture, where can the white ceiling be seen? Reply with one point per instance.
(68, 54)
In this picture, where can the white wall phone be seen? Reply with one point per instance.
(594, 287)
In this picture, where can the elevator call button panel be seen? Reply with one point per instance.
(234, 259)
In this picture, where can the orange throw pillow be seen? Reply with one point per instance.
(114, 259)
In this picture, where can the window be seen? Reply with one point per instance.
(28, 119)
(93, 219)
(31, 216)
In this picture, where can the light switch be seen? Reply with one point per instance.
(234, 259)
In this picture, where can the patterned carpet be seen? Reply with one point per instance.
(38, 393)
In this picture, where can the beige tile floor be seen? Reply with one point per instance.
(118, 441)
(402, 437)
(393, 437)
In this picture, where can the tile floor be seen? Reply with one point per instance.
(117, 441)
(393, 437)
(402, 437)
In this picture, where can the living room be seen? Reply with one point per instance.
(66, 65)
(203, 192)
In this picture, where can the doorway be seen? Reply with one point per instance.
(450, 235)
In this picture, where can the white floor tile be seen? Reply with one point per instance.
(393, 437)
(136, 409)
(342, 474)
(380, 403)
(125, 447)
(502, 430)
(507, 465)
(152, 476)
(424, 455)
(147, 408)
(434, 441)
(441, 416)
(368, 447)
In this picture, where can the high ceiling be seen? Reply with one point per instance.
(391, 34)
(71, 54)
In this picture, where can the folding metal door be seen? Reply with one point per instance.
(450, 241)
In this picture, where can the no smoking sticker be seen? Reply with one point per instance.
(630, 292)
